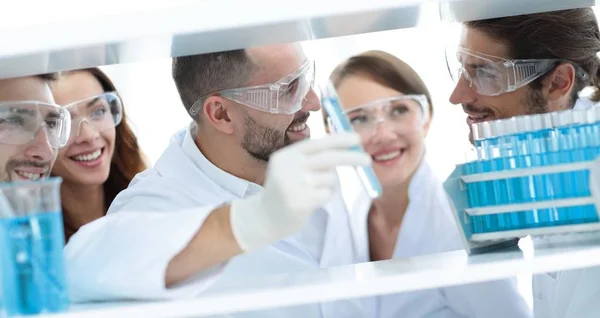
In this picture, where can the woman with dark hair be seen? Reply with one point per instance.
(390, 107)
(102, 155)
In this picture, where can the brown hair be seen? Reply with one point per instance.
(198, 75)
(128, 160)
(572, 35)
(385, 69)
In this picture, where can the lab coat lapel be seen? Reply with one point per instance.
(338, 242)
(357, 203)
(174, 160)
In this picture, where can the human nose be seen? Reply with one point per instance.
(462, 93)
(85, 131)
(382, 131)
(39, 149)
(311, 101)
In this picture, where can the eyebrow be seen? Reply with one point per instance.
(475, 65)
(19, 110)
(93, 101)
(88, 104)
(53, 115)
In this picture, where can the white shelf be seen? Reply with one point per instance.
(68, 34)
(367, 279)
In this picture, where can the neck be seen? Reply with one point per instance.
(223, 152)
(392, 204)
(82, 204)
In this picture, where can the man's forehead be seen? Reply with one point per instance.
(28, 109)
(476, 40)
(25, 88)
(276, 61)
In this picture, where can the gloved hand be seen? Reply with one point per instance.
(300, 178)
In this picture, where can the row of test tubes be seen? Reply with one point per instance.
(538, 140)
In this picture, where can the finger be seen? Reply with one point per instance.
(321, 195)
(335, 141)
(334, 158)
(326, 178)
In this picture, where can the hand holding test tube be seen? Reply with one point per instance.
(341, 123)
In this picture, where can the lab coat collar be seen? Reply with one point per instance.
(584, 103)
(421, 180)
(360, 204)
(239, 187)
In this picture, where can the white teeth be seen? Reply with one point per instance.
(89, 157)
(388, 156)
(29, 175)
(298, 128)
(478, 117)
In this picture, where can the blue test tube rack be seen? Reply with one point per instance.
(533, 175)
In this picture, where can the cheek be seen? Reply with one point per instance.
(511, 104)
(416, 146)
(9, 152)
(283, 123)
(60, 161)
(109, 136)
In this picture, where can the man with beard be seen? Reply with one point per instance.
(531, 64)
(27, 151)
(251, 183)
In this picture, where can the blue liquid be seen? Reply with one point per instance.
(331, 104)
(560, 217)
(547, 147)
(33, 273)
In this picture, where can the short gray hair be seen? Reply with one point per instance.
(198, 75)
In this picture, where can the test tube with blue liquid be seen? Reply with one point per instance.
(341, 123)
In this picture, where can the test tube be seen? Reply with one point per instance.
(594, 118)
(331, 104)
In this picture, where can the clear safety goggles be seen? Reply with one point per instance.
(285, 96)
(20, 122)
(402, 114)
(492, 76)
(101, 112)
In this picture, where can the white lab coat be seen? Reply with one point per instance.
(568, 294)
(126, 253)
(428, 227)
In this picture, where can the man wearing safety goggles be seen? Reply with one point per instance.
(503, 70)
(262, 196)
(32, 128)
(530, 64)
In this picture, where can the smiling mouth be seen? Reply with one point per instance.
(388, 156)
(30, 175)
(298, 127)
(478, 118)
(87, 157)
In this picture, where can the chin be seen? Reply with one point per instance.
(89, 180)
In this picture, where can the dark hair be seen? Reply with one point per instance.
(128, 160)
(198, 75)
(572, 35)
(385, 69)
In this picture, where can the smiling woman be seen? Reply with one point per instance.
(102, 155)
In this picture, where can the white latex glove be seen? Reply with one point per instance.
(300, 179)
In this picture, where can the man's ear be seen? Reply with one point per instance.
(559, 83)
(215, 112)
